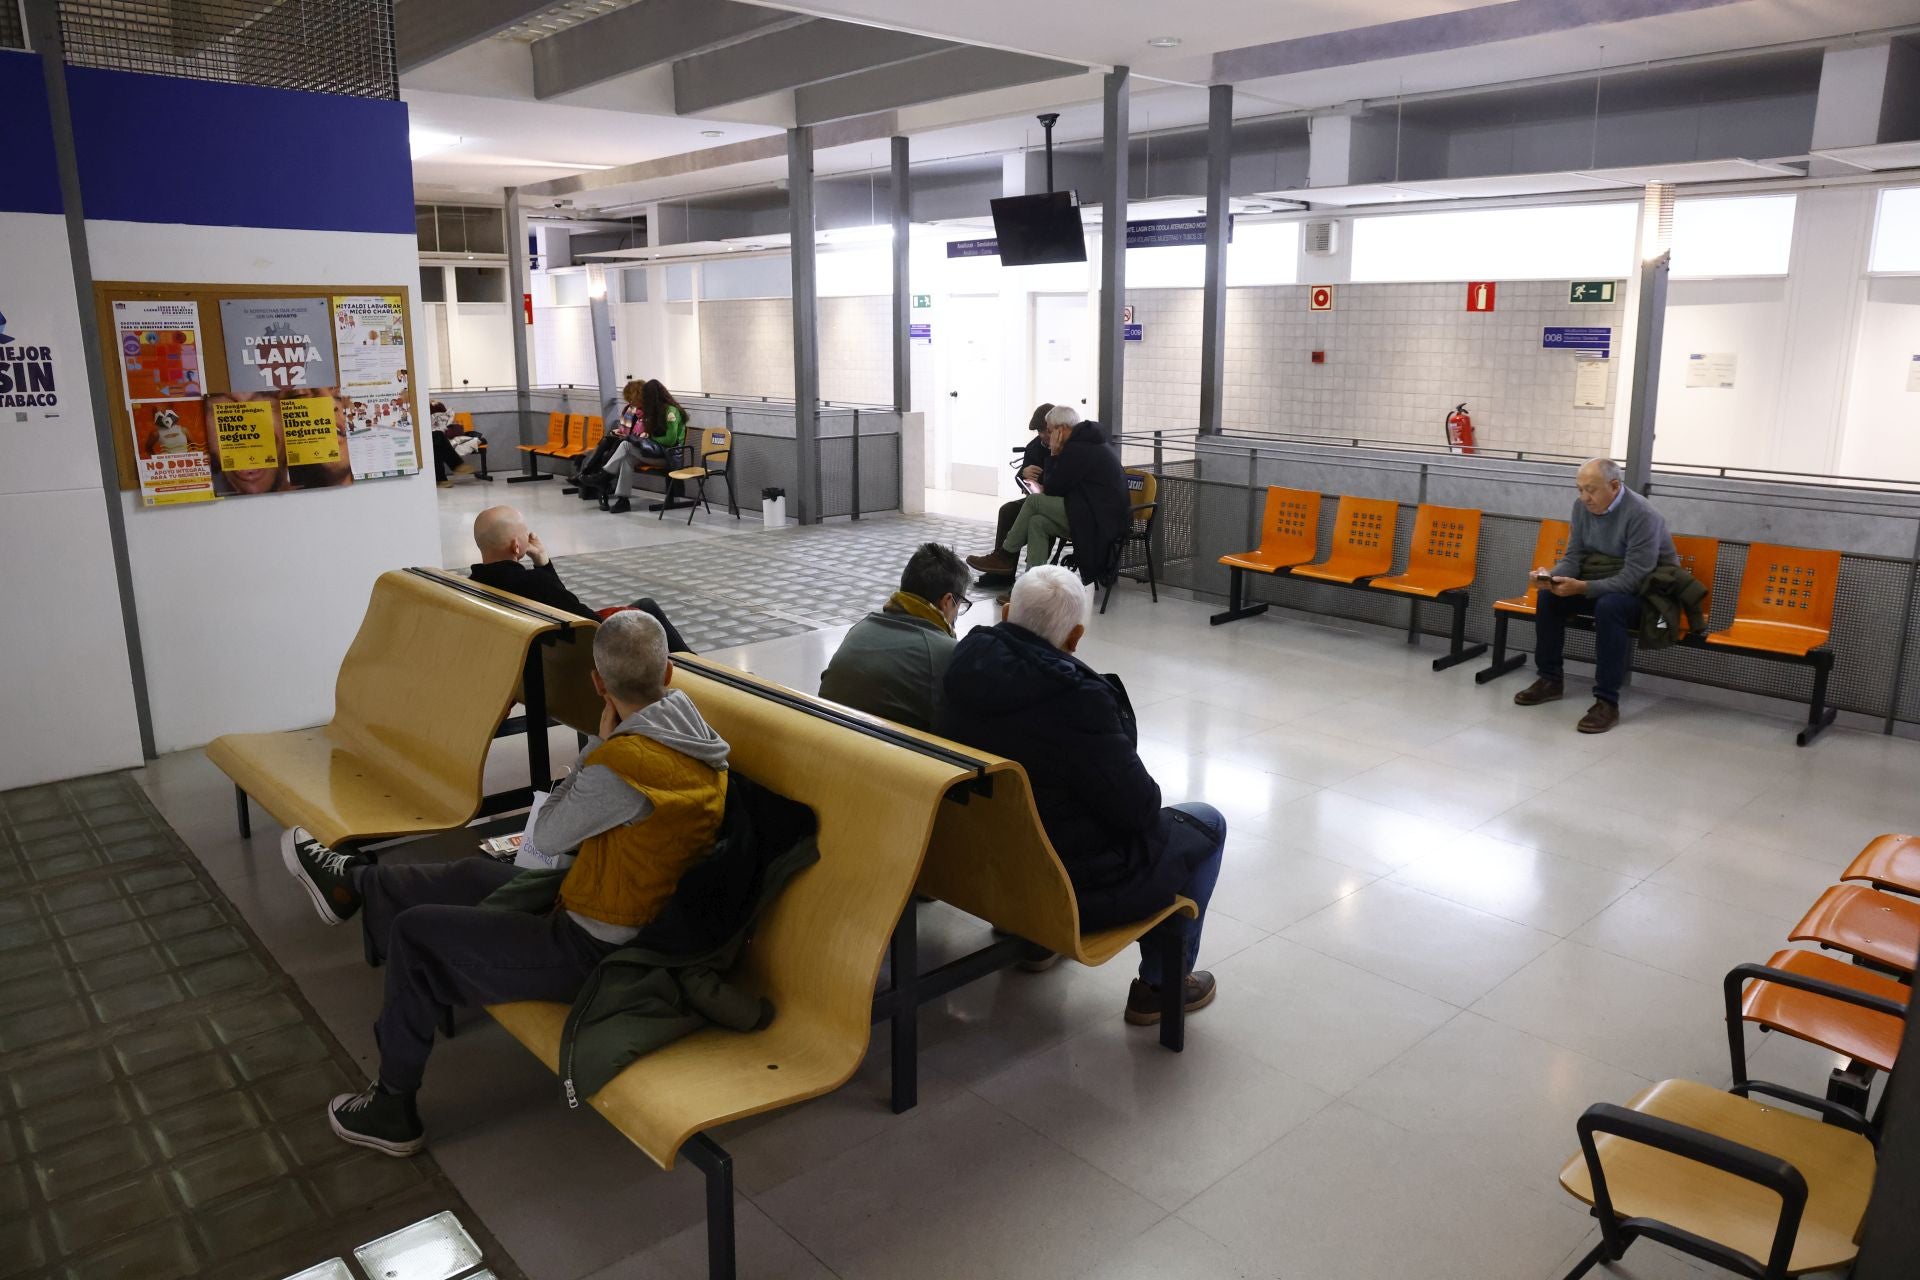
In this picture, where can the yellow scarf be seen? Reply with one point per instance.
(908, 603)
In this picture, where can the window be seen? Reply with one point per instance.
(480, 284)
(433, 284)
(1896, 235)
(1263, 253)
(633, 284)
(1554, 242)
(852, 273)
(569, 288)
(1732, 236)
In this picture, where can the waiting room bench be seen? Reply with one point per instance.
(1441, 558)
(426, 684)
(1784, 612)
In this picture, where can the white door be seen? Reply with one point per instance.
(1063, 356)
(972, 404)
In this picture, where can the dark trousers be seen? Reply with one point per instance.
(1009, 512)
(445, 456)
(1196, 839)
(1616, 616)
(444, 949)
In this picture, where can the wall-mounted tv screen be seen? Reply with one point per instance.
(1038, 229)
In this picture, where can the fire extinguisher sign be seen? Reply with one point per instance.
(1320, 298)
(1480, 295)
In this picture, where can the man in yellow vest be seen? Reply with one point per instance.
(641, 806)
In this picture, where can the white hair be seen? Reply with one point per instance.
(1050, 602)
(630, 653)
(1062, 415)
(1609, 469)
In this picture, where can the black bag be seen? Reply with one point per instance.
(591, 476)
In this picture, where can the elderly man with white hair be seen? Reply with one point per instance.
(1017, 690)
(1084, 497)
(641, 806)
(1617, 541)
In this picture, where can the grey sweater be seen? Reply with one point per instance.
(1633, 530)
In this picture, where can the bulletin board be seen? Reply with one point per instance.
(225, 391)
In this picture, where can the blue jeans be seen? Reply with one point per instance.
(1195, 841)
(1616, 616)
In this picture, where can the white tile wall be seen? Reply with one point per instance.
(1398, 358)
(746, 348)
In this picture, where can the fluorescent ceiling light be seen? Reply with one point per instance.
(426, 142)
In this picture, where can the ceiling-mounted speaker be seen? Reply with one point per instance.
(1321, 239)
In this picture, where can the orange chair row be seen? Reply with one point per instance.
(569, 435)
(1784, 612)
(1441, 558)
(1744, 1184)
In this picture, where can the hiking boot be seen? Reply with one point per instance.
(1143, 1001)
(620, 506)
(324, 874)
(1000, 563)
(1541, 690)
(1600, 717)
(387, 1122)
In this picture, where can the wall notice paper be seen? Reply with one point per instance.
(313, 431)
(159, 349)
(370, 335)
(1711, 369)
(1590, 384)
(275, 344)
(170, 443)
(29, 381)
(243, 430)
(1913, 374)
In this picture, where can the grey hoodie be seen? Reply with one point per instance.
(594, 799)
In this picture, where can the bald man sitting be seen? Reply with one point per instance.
(505, 541)
(1616, 542)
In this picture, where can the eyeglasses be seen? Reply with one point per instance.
(961, 604)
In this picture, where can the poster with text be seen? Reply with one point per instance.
(277, 344)
(159, 349)
(243, 438)
(38, 354)
(170, 447)
(370, 338)
(313, 431)
(380, 436)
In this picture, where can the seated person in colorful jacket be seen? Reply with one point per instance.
(642, 805)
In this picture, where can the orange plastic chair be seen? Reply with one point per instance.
(1362, 542)
(596, 427)
(1862, 1034)
(1889, 862)
(556, 437)
(1786, 601)
(1289, 535)
(1548, 547)
(1879, 928)
(464, 421)
(576, 441)
(1446, 547)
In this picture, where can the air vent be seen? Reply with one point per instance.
(1321, 239)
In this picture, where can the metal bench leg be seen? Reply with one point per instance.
(533, 696)
(1819, 714)
(1503, 662)
(1172, 941)
(1413, 619)
(1459, 650)
(1601, 1252)
(246, 819)
(1236, 609)
(710, 1159)
(904, 1024)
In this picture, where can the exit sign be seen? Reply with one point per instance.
(922, 301)
(1590, 291)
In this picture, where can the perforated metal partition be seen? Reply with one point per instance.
(321, 46)
(1876, 608)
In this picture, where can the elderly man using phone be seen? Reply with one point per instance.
(1616, 541)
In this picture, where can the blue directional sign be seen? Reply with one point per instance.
(1600, 339)
(1131, 333)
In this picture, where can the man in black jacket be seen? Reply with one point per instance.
(504, 540)
(1085, 498)
(1017, 690)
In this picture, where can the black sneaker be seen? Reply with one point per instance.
(324, 874)
(387, 1122)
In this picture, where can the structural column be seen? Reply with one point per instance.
(600, 316)
(517, 307)
(1649, 330)
(1113, 252)
(902, 299)
(1213, 307)
(806, 325)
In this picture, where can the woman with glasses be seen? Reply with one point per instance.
(892, 662)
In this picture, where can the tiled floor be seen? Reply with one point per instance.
(1445, 925)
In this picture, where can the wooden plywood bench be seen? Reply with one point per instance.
(428, 681)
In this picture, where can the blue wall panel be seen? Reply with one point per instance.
(29, 180)
(161, 149)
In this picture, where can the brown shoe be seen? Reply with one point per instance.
(1143, 1001)
(999, 562)
(1600, 717)
(1541, 690)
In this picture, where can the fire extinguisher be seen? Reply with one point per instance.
(1460, 429)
